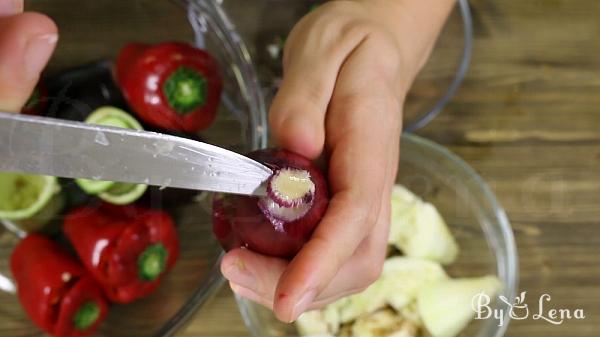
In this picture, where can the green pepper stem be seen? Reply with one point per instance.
(185, 90)
(152, 262)
(86, 316)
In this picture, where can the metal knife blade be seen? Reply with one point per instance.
(46, 146)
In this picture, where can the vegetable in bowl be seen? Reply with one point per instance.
(59, 295)
(170, 85)
(127, 249)
(29, 202)
(109, 191)
(414, 296)
(110, 243)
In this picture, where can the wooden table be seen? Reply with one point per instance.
(527, 119)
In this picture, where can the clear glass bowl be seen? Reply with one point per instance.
(266, 23)
(93, 31)
(473, 214)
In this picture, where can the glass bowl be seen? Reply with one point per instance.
(91, 34)
(266, 23)
(473, 214)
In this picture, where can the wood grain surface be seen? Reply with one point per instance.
(527, 119)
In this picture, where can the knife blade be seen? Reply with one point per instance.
(47, 146)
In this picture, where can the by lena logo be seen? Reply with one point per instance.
(519, 310)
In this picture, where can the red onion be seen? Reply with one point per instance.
(281, 222)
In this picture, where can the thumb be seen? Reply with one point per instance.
(314, 53)
(27, 41)
(297, 115)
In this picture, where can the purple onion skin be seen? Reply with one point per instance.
(239, 222)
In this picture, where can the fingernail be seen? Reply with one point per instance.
(10, 7)
(303, 304)
(38, 52)
(237, 273)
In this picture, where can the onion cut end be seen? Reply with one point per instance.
(290, 194)
(291, 187)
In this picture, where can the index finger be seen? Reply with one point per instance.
(360, 134)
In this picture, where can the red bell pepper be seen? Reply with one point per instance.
(56, 291)
(37, 102)
(171, 85)
(128, 249)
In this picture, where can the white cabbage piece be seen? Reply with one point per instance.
(311, 323)
(317, 322)
(364, 303)
(402, 277)
(332, 319)
(446, 306)
(398, 285)
(418, 229)
(403, 207)
(411, 313)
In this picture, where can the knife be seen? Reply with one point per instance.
(47, 146)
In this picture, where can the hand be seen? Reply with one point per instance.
(27, 41)
(347, 67)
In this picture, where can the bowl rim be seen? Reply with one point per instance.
(459, 75)
(258, 135)
(507, 267)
